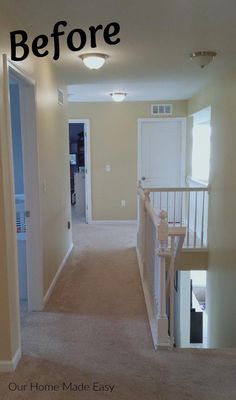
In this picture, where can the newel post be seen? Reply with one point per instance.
(163, 339)
(147, 196)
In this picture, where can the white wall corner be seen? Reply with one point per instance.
(51, 287)
(10, 365)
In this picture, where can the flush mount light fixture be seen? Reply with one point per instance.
(203, 58)
(94, 60)
(118, 96)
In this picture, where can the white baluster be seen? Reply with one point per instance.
(174, 206)
(188, 221)
(171, 272)
(167, 208)
(203, 210)
(195, 221)
(146, 230)
(160, 269)
(181, 209)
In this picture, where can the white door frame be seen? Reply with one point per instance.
(87, 159)
(183, 144)
(34, 243)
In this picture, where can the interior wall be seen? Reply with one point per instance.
(53, 142)
(9, 305)
(113, 128)
(182, 310)
(221, 277)
(52, 132)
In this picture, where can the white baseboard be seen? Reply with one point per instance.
(10, 365)
(152, 320)
(51, 287)
(116, 221)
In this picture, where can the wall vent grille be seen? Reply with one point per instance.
(161, 109)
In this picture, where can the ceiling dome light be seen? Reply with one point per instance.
(118, 96)
(94, 60)
(203, 58)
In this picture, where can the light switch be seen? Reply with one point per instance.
(108, 168)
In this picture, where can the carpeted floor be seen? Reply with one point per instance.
(94, 338)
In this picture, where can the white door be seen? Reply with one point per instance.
(161, 160)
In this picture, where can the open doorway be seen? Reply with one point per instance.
(190, 309)
(80, 175)
(19, 189)
(23, 152)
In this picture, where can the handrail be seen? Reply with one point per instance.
(144, 195)
(176, 189)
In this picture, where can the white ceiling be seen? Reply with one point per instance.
(152, 60)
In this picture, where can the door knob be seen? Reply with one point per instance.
(143, 178)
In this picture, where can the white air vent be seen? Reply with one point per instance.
(161, 109)
(60, 96)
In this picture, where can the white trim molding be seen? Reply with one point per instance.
(10, 365)
(51, 287)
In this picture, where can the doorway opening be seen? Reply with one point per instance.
(80, 171)
(190, 309)
(23, 153)
(19, 180)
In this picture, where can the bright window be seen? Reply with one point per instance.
(201, 148)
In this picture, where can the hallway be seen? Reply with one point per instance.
(95, 329)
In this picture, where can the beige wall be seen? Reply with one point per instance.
(52, 134)
(53, 140)
(114, 141)
(221, 296)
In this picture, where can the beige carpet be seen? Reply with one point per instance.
(94, 331)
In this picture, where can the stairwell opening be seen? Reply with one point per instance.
(190, 309)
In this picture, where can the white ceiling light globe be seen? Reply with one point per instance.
(94, 60)
(203, 58)
(118, 96)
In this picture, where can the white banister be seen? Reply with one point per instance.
(186, 206)
(171, 279)
(178, 189)
(153, 252)
(163, 338)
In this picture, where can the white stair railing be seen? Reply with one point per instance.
(185, 206)
(157, 281)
